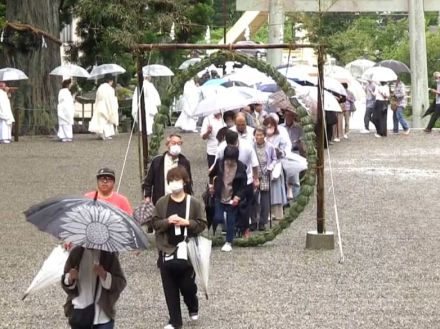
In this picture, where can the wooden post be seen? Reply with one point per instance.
(320, 213)
(142, 119)
(16, 123)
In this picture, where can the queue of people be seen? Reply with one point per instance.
(380, 97)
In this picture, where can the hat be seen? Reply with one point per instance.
(105, 172)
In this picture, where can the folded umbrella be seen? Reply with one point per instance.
(50, 272)
(199, 252)
(88, 223)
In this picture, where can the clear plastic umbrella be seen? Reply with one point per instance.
(156, 70)
(359, 66)
(222, 100)
(11, 74)
(70, 70)
(395, 65)
(50, 272)
(189, 62)
(199, 252)
(101, 70)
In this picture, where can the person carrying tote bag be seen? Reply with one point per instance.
(177, 217)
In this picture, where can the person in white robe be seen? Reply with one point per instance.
(152, 102)
(105, 116)
(6, 116)
(187, 104)
(66, 112)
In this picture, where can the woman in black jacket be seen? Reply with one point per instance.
(228, 179)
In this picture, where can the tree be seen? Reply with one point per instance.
(30, 52)
(109, 30)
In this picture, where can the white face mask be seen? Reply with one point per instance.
(175, 150)
(176, 186)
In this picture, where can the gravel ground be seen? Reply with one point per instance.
(390, 277)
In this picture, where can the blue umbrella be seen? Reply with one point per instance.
(214, 82)
(88, 223)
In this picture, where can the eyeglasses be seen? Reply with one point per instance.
(105, 179)
(175, 143)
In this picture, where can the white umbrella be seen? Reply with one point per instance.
(255, 96)
(199, 251)
(50, 272)
(223, 100)
(209, 90)
(70, 70)
(330, 102)
(101, 70)
(249, 76)
(189, 62)
(11, 74)
(379, 73)
(156, 70)
(338, 72)
(299, 72)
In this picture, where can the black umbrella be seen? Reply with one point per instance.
(89, 223)
(396, 66)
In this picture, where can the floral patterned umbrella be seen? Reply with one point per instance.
(89, 223)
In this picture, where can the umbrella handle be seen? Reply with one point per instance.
(96, 196)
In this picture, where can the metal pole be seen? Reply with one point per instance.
(320, 211)
(143, 119)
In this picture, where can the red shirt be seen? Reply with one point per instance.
(116, 199)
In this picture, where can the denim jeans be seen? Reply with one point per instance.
(398, 118)
(231, 215)
(368, 117)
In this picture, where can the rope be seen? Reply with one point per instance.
(332, 185)
(132, 132)
(27, 27)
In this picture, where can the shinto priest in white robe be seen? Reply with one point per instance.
(6, 117)
(151, 101)
(105, 112)
(66, 112)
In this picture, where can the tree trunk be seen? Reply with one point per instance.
(36, 96)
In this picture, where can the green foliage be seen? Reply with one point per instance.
(110, 29)
(2, 12)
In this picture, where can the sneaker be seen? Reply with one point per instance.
(364, 131)
(336, 140)
(346, 136)
(226, 248)
(377, 136)
(169, 326)
(193, 316)
(406, 132)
